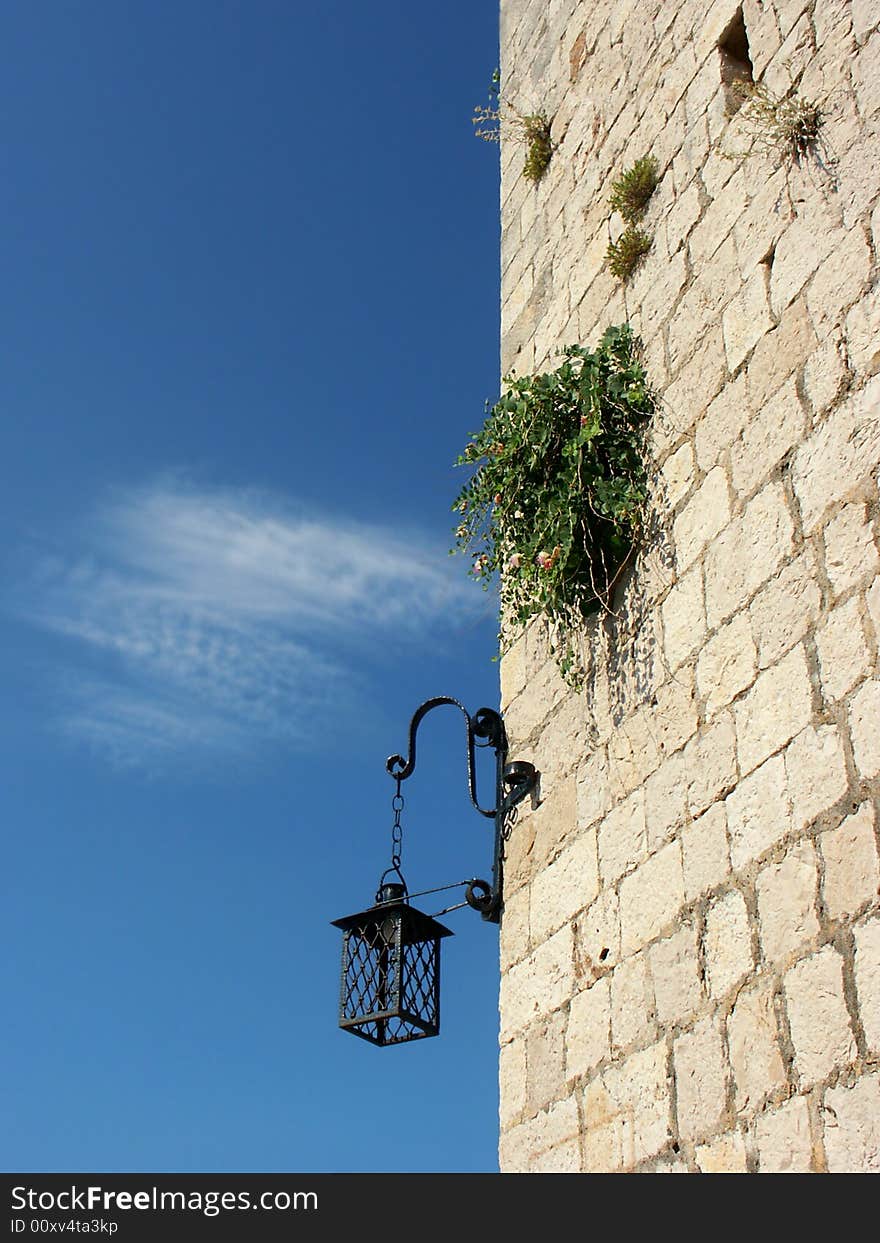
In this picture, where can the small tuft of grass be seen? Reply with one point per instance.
(625, 255)
(632, 190)
(778, 125)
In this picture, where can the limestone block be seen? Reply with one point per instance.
(564, 1158)
(593, 789)
(515, 927)
(661, 292)
(683, 215)
(672, 719)
(783, 1139)
(787, 894)
(545, 1059)
(638, 1087)
(753, 1041)
(603, 1147)
(725, 208)
(763, 32)
(700, 1081)
(865, 18)
(866, 77)
(839, 281)
(588, 1039)
(724, 1155)
(852, 869)
(666, 803)
(785, 609)
(727, 664)
(840, 454)
(777, 707)
(568, 885)
(817, 1016)
(512, 1079)
(852, 1127)
(759, 228)
(850, 552)
(677, 476)
(623, 838)
(867, 972)
(776, 427)
(630, 1002)
(698, 380)
(513, 672)
(539, 984)
(675, 972)
(722, 423)
(651, 897)
(710, 763)
(727, 943)
(747, 319)
(684, 618)
(780, 353)
(706, 856)
(825, 375)
(706, 513)
(872, 599)
(797, 50)
(863, 336)
(758, 813)
(716, 283)
(747, 553)
(809, 239)
(597, 939)
(815, 768)
(864, 713)
(844, 658)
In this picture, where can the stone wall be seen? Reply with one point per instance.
(691, 938)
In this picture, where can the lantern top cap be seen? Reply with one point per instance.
(419, 926)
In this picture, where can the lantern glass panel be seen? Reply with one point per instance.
(390, 974)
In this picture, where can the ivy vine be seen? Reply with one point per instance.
(555, 503)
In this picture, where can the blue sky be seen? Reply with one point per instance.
(250, 316)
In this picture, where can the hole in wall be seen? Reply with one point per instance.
(736, 62)
(603, 953)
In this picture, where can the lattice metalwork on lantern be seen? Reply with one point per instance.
(391, 971)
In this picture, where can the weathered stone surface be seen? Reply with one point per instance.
(710, 763)
(706, 856)
(753, 1041)
(779, 705)
(684, 618)
(783, 1140)
(727, 943)
(844, 658)
(787, 894)
(724, 1155)
(727, 664)
(707, 512)
(758, 812)
(867, 972)
(638, 1087)
(839, 455)
(675, 973)
(746, 319)
(651, 897)
(852, 1127)
(588, 1039)
(701, 1081)
(817, 1016)
(815, 769)
(747, 553)
(785, 609)
(864, 713)
(850, 552)
(567, 886)
(852, 869)
(630, 1002)
(775, 428)
(545, 1059)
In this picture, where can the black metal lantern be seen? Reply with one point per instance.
(391, 971)
(391, 952)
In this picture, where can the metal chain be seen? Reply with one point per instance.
(396, 829)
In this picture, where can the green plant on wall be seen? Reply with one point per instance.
(554, 505)
(625, 255)
(632, 190)
(629, 196)
(532, 129)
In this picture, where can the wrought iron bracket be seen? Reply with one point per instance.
(513, 782)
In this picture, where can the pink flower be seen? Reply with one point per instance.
(544, 559)
(514, 561)
(497, 498)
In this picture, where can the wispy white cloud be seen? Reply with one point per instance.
(203, 619)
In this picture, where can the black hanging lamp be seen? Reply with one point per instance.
(390, 990)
